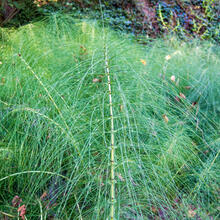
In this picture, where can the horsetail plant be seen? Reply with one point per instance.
(157, 118)
(112, 148)
(52, 100)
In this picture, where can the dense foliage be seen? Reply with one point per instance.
(148, 18)
(55, 124)
(95, 125)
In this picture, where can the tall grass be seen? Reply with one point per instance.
(56, 123)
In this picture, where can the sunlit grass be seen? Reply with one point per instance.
(55, 123)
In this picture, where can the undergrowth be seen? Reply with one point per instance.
(55, 126)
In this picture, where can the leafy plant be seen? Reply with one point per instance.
(56, 123)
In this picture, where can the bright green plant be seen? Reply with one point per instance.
(58, 89)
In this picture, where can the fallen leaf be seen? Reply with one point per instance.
(182, 95)
(173, 78)
(187, 87)
(96, 80)
(177, 99)
(166, 119)
(121, 108)
(143, 62)
(83, 48)
(154, 209)
(2, 81)
(43, 196)
(22, 210)
(168, 57)
(191, 213)
(16, 201)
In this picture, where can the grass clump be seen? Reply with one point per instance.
(55, 124)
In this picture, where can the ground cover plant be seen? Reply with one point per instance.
(143, 18)
(56, 127)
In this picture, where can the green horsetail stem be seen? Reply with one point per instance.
(107, 71)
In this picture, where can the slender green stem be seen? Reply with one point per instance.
(52, 100)
(6, 214)
(112, 137)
